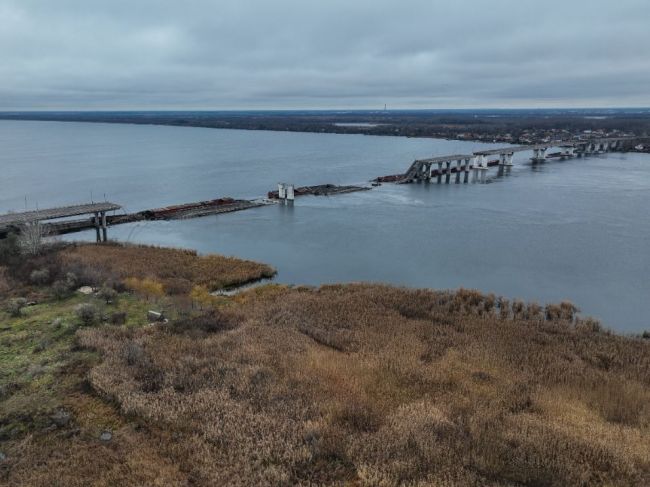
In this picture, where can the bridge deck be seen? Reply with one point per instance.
(508, 150)
(556, 143)
(53, 213)
(456, 157)
(417, 166)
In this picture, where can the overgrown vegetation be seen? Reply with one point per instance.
(338, 385)
(177, 270)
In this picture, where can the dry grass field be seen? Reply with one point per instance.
(372, 385)
(357, 385)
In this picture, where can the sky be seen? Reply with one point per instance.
(297, 54)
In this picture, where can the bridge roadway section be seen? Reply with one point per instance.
(15, 221)
(424, 170)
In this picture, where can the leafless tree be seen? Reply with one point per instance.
(32, 237)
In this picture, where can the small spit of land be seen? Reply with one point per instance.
(338, 385)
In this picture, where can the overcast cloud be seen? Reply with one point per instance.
(201, 54)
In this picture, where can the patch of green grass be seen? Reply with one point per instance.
(37, 349)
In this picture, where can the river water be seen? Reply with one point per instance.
(577, 230)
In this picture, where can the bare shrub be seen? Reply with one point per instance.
(534, 312)
(504, 308)
(85, 273)
(6, 283)
(489, 303)
(31, 239)
(568, 311)
(118, 318)
(146, 287)
(107, 294)
(40, 277)
(60, 289)
(518, 309)
(177, 285)
(87, 313)
(15, 306)
(211, 321)
(590, 325)
(133, 353)
(10, 254)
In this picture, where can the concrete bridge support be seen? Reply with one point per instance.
(475, 168)
(505, 164)
(101, 228)
(286, 193)
(104, 229)
(480, 168)
(447, 171)
(423, 173)
(539, 155)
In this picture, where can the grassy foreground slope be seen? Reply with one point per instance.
(338, 385)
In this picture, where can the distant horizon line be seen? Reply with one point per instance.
(400, 109)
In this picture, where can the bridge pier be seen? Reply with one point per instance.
(539, 155)
(421, 169)
(96, 222)
(101, 227)
(104, 229)
(425, 173)
(505, 164)
(475, 167)
(480, 168)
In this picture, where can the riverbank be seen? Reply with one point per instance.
(506, 126)
(362, 384)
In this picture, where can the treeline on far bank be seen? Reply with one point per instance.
(477, 125)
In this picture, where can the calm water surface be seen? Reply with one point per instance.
(577, 230)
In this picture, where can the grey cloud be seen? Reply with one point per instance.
(85, 54)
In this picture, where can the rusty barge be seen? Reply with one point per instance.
(173, 212)
(320, 190)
